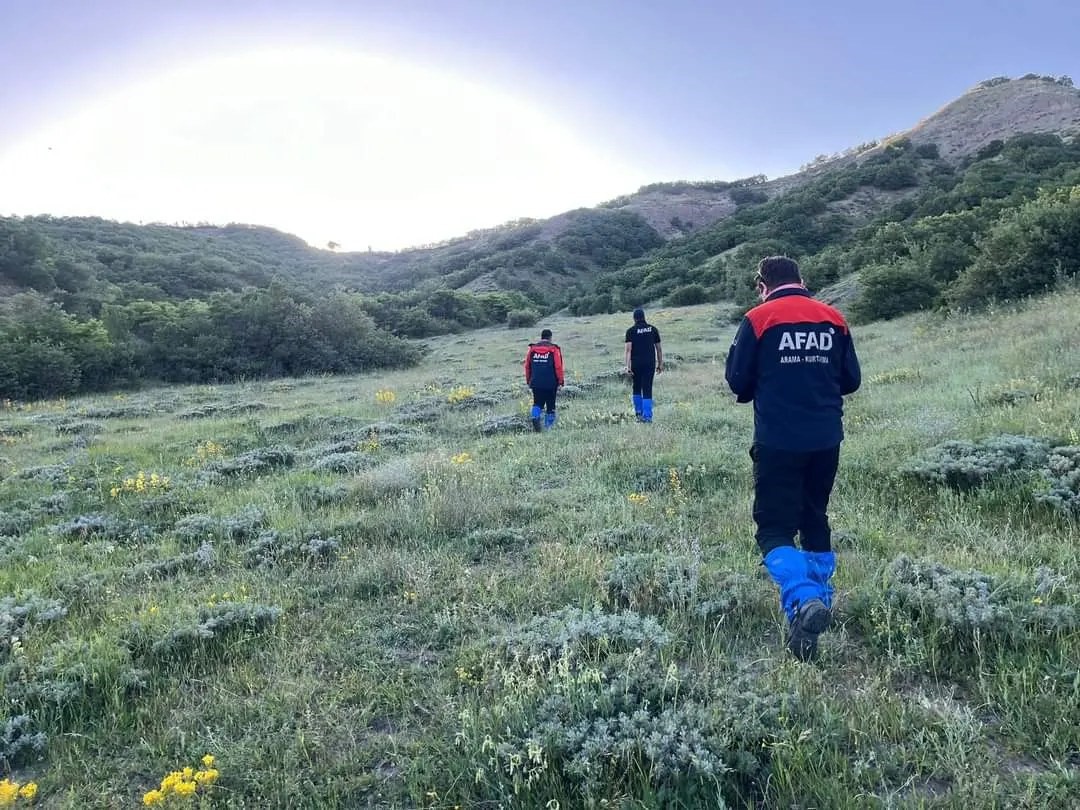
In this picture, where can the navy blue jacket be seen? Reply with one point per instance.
(794, 358)
(642, 338)
(543, 365)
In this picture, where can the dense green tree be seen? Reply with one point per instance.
(1027, 251)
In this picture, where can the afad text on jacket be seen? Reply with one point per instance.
(793, 357)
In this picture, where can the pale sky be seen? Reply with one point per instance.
(390, 123)
(332, 145)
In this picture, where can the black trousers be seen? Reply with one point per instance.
(791, 495)
(643, 379)
(545, 398)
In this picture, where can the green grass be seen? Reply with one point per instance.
(436, 613)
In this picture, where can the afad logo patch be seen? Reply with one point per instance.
(822, 341)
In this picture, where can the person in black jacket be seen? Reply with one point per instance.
(544, 375)
(794, 358)
(644, 359)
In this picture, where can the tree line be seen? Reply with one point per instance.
(1003, 224)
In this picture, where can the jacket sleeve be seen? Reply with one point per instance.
(559, 379)
(850, 372)
(528, 364)
(741, 368)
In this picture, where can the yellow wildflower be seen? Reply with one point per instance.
(9, 791)
(460, 394)
(152, 797)
(185, 788)
(207, 777)
(170, 781)
(28, 791)
(208, 760)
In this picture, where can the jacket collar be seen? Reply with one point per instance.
(788, 289)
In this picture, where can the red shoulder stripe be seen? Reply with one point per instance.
(790, 310)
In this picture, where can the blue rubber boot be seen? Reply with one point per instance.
(637, 405)
(800, 597)
(646, 410)
(790, 570)
(535, 417)
(549, 420)
(822, 565)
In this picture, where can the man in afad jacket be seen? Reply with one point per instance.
(794, 358)
(544, 375)
(644, 359)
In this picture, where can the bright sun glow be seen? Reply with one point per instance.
(357, 149)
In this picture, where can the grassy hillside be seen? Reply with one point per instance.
(381, 591)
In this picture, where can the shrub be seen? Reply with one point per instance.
(215, 630)
(272, 548)
(521, 318)
(1062, 475)
(590, 633)
(17, 616)
(201, 558)
(197, 529)
(386, 481)
(55, 474)
(76, 680)
(944, 617)
(240, 527)
(963, 464)
(349, 461)
(244, 525)
(888, 291)
(18, 743)
(13, 524)
(78, 428)
(55, 504)
(638, 535)
(652, 582)
(687, 295)
(581, 708)
(231, 409)
(104, 527)
(1028, 251)
(496, 425)
(895, 175)
(260, 461)
(318, 495)
(487, 542)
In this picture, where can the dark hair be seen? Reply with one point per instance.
(545, 335)
(639, 315)
(777, 270)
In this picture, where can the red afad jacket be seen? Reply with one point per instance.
(543, 365)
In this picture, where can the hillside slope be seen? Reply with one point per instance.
(363, 591)
(996, 110)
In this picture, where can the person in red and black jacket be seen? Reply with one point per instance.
(794, 358)
(544, 375)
